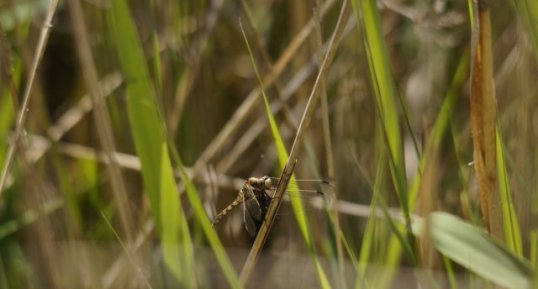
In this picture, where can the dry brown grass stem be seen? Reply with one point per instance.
(483, 118)
(23, 111)
(296, 147)
(73, 115)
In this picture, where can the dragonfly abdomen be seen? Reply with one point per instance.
(238, 200)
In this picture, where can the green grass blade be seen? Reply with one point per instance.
(151, 146)
(435, 139)
(146, 121)
(176, 240)
(157, 66)
(385, 93)
(207, 227)
(6, 119)
(512, 230)
(369, 238)
(450, 273)
(472, 248)
(295, 198)
(7, 113)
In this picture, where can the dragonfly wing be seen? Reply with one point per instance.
(250, 225)
(253, 207)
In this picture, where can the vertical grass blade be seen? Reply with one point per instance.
(439, 130)
(7, 97)
(534, 249)
(385, 94)
(151, 147)
(369, 237)
(176, 240)
(512, 230)
(6, 117)
(146, 123)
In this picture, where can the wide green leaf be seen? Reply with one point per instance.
(473, 249)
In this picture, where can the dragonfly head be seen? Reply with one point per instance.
(261, 183)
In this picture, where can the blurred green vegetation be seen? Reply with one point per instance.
(146, 117)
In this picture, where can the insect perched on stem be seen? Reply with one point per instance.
(255, 199)
(255, 202)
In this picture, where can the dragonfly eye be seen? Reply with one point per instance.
(267, 182)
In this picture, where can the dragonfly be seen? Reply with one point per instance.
(255, 200)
